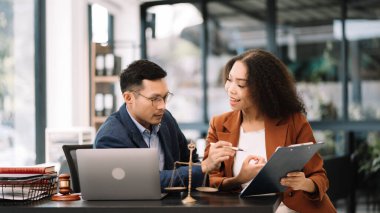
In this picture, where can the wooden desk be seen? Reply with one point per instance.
(206, 202)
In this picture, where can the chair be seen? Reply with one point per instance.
(340, 172)
(71, 157)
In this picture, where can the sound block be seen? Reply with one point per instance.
(68, 197)
(206, 189)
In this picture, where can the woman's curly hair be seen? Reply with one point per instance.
(270, 84)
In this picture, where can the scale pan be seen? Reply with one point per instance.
(206, 189)
(177, 188)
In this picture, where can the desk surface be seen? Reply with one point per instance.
(206, 202)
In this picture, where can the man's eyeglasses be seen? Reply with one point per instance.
(157, 99)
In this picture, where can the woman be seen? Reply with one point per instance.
(267, 113)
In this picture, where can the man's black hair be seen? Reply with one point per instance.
(131, 77)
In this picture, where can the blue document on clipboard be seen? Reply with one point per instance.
(284, 160)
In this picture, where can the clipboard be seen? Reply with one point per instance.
(284, 160)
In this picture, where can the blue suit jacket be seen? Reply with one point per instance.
(119, 131)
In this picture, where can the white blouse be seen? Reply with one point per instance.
(253, 143)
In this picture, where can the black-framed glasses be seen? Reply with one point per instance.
(156, 100)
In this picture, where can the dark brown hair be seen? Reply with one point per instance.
(270, 84)
(137, 71)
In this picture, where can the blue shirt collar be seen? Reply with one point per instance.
(141, 128)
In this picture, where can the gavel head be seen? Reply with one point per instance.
(64, 184)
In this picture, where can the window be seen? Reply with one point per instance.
(363, 35)
(17, 83)
(99, 24)
(173, 43)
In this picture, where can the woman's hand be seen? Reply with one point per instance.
(298, 181)
(251, 166)
(218, 153)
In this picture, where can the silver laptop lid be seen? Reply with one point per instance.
(119, 174)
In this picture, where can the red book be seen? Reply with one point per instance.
(27, 170)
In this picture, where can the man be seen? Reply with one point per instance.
(143, 122)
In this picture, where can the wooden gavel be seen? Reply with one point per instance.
(64, 184)
(64, 189)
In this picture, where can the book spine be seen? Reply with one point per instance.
(22, 170)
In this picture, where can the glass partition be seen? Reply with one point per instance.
(231, 30)
(173, 39)
(310, 49)
(17, 96)
(363, 35)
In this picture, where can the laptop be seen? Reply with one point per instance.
(119, 174)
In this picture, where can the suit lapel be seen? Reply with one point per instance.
(164, 135)
(231, 134)
(275, 135)
(131, 128)
(138, 140)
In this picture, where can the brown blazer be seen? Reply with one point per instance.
(284, 132)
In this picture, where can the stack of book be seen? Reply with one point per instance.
(27, 183)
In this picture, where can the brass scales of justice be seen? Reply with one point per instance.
(203, 188)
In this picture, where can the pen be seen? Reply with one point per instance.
(232, 147)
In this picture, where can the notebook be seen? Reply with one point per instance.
(19, 176)
(283, 161)
(119, 174)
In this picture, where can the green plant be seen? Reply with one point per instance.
(368, 159)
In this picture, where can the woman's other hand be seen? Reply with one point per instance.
(298, 181)
(251, 166)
